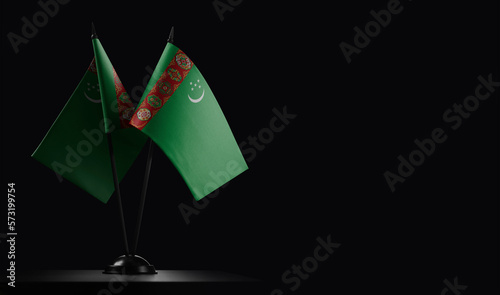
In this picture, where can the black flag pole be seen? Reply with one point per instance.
(146, 175)
(149, 161)
(128, 263)
(115, 175)
(117, 190)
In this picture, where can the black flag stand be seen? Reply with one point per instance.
(128, 263)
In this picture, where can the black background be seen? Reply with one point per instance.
(322, 175)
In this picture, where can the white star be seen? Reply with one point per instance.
(190, 83)
(198, 81)
(199, 86)
(192, 89)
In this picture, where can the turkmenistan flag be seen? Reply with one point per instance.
(179, 112)
(75, 146)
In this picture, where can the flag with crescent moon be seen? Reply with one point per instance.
(179, 112)
(75, 146)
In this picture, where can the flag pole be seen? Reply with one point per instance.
(128, 263)
(118, 194)
(143, 194)
(146, 175)
(115, 175)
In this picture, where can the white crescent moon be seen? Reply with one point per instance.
(92, 100)
(198, 99)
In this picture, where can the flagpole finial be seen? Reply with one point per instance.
(94, 34)
(171, 35)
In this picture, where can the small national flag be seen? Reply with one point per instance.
(75, 146)
(179, 112)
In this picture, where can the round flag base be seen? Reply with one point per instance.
(130, 264)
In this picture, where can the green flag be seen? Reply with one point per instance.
(179, 112)
(75, 146)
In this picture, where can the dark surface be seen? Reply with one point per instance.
(163, 276)
(165, 282)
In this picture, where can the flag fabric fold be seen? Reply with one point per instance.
(117, 106)
(179, 112)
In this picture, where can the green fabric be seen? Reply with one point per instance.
(195, 136)
(76, 146)
(107, 86)
(165, 58)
